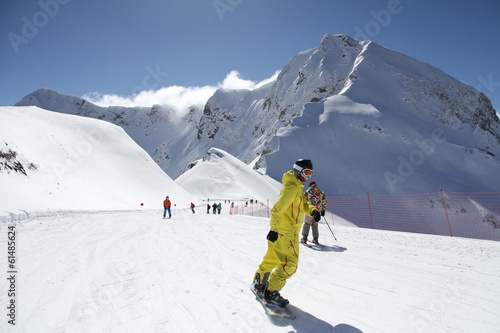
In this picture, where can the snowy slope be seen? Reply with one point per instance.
(67, 162)
(358, 148)
(170, 139)
(222, 176)
(135, 272)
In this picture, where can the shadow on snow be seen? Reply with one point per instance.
(305, 322)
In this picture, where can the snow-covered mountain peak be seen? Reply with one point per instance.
(322, 71)
(259, 114)
(333, 42)
(350, 88)
(50, 100)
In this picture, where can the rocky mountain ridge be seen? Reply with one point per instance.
(410, 97)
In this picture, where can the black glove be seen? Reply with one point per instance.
(316, 215)
(272, 236)
(322, 213)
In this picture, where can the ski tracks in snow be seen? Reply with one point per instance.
(200, 244)
(136, 272)
(133, 272)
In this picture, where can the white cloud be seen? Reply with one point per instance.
(180, 98)
(176, 96)
(234, 80)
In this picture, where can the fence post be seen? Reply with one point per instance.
(446, 211)
(370, 207)
(330, 204)
(268, 208)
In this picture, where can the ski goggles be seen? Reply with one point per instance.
(304, 172)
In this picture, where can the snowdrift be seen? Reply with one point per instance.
(219, 175)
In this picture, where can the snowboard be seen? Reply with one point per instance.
(273, 310)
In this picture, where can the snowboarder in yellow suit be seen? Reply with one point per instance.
(281, 259)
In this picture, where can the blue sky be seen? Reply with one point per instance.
(115, 49)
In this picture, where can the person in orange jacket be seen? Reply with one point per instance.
(166, 206)
(282, 257)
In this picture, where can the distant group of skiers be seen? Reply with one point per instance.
(216, 208)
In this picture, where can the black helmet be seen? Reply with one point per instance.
(303, 169)
(306, 164)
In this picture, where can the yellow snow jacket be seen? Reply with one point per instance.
(287, 214)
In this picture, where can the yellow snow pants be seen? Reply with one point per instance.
(281, 260)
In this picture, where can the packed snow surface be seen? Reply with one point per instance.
(136, 272)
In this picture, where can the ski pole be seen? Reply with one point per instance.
(324, 218)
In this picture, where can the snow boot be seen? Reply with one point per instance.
(274, 297)
(260, 286)
(304, 239)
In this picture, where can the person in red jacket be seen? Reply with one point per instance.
(166, 206)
